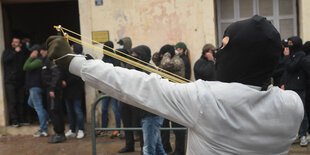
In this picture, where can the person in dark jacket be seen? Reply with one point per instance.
(306, 68)
(13, 60)
(33, 82)
(52, 77)
(184, 55)
(108, 46)
(73, 94)
(150, 123)
(204, 67)
(167, 59)
(278, 72)
(294, 78)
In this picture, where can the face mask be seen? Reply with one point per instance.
(121, 46)
(176, 52)
(27, 44)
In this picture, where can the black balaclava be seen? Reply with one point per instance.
(251, 54)
(106, 46)
(143, 53)
(297, 44)
(167, 48)
(77, 48)
(306, 47)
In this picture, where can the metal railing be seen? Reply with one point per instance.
(94, 129)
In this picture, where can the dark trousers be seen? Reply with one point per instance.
(15, 96)
(179, 138)
(55, 108)
(129, 116)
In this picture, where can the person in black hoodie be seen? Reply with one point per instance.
(294, 78)
(204, 67)
(150, 123)
(108, 46)
(306, 67)
(13, 60)
(278, 72)
(52, 77)
(73, 94)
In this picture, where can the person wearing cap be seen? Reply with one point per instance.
(184, 54)
(33, 82)
(204, 67)
(241, 113)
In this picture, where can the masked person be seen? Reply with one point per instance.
(239, 114)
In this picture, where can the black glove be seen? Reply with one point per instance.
(57, 47)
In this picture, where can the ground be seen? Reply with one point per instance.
(24, 145)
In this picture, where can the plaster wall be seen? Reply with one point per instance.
(304, 22)
(3, 108)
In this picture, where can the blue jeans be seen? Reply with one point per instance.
(74, 110)
(35, 101)
(105, 103)
(151, 135)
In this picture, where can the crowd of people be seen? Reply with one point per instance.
(31, 78)
(46, 81)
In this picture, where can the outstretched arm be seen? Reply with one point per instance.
(149, 92)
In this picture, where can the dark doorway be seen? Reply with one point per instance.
(36, 20)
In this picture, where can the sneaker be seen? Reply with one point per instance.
(16, 125)
(303, 141)
(40, 134)
(70, 134)
(80, 134)
(115, 134)
(57, 138)
(101, 133)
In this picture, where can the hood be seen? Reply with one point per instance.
(77, 48)
(106, 47)
(143, 52)
(167, 48)
(297, 44)
(306, 47)
(251, 54)
(126, 42)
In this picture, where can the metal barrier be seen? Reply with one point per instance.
(94, 129)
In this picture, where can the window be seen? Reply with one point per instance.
(282, 14)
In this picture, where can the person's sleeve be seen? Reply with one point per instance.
(8, 56)
(56, 76)
(306, 65)
(32, 64)
(170, 100)
(203, 70)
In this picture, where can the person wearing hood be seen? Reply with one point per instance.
(204, 67)
(124, 46)
(183, 52)
(239, 114)
(108, 46)
(306, 68)
(150, 123)
(168, 60)
(294, 79)
(73, 94)
(33, 82)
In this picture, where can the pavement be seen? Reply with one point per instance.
(29, 145)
